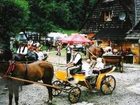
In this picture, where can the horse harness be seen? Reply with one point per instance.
(11, 69)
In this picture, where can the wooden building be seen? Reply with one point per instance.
(133, 37)
(112, 20)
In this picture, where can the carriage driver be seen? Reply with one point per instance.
(75, 64)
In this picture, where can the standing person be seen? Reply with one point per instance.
(75, 64)
(48, 44)
(59, 49)
(16, 44)
(68, 53)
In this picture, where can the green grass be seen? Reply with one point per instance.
(69, 32)
(63, 52)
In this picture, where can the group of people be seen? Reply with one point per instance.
(76, 65)
(29, 51)
(123, 52)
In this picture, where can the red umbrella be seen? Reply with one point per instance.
(75, 39)
(64, 40)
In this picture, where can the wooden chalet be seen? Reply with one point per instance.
(133, 37)
(112, 21)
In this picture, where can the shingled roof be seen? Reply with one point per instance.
(114, 34)
(134, 33)
(127, 4)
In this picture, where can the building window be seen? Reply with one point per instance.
(106, 15)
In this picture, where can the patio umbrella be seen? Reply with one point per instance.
(75, 39)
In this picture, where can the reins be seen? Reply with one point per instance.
(91, 53)
(10, 69)
(32, 82)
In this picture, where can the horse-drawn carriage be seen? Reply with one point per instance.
(100, 80)
(42, 70)
(116, 60)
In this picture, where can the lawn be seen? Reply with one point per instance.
(63, 53)
(69, 32)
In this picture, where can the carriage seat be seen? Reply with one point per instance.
(81, 72)
(105, 70)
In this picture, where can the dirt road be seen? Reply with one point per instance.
(127, 91)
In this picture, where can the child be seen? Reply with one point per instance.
(99, 65)
(86, 67)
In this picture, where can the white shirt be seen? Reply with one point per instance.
(22, 50)
(40, 55)
(99, 65)
(76, 59)
(108, 53)
(30, 42)
(68, 50)
(86, 69)
(37, 44)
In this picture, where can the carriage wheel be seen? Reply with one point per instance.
(108, 84)
(74, 95)
(56, 92)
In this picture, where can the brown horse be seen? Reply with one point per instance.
(93, 52)
(39, 70)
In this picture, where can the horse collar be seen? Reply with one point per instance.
(26, 72)
(10, 69)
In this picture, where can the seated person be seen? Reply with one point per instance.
(31, 55)
(21, 52)
(86, 67)
(39, 54)
(22, 49)
(99, 64)
(115, 52)
(75, 64)
(108, 52)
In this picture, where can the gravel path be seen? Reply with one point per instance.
(127, 91)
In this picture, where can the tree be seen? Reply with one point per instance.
(46, 15)
(49, 15)
(13, 17)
